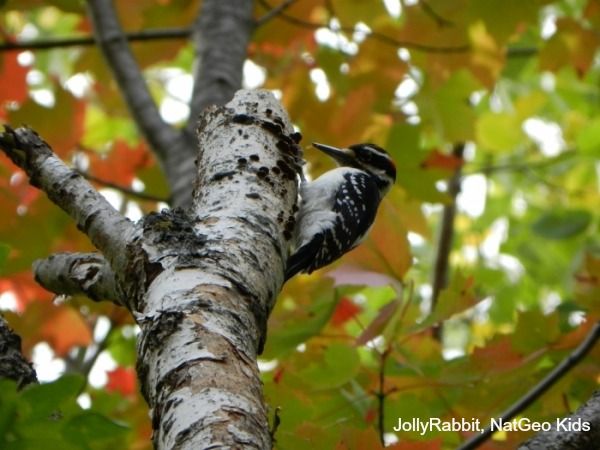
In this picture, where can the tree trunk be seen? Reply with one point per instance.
(204, 281)
(199, 282)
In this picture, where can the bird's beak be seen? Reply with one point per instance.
(344, 156)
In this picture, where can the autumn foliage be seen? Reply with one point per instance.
(515, 82)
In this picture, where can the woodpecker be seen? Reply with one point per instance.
(337, 209)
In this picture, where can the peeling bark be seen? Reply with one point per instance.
(77, 274)
(13, 364)
(206, 280)
(199, 282)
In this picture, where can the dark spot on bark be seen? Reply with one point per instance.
(276, 170)
(268, 112)
(88, 221)
(254, 195)
(245, 136)
(263, 172)
(219, 176)
(287, 235)
(296, 137)
(271, 127)
(282, 146)
(286, 169)
(243, 119)
(240, 132)
(254, 158)
(242, 161)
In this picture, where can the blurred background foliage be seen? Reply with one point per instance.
(501, 95)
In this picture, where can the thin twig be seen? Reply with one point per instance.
(171, 146)
(273, 12)
(381, 394)
(123, 189)
(536, 392)
(87, 41)
(521, 167)
(440, 274)
(441, 21)
(373, 34)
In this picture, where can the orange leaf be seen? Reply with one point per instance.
(24, 288)
(66, 329)
(345, 310)
(121, 164)
(122, 380)
(437, 159)
(12, 74)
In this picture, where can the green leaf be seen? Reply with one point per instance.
(122, 348)
(403, 144)
(562, 224)
(447, 108)
(499, 132)
(457, 297)
(588, 140)
(4, 251)
(96, 430)
(46, 399)
(289, 334)
(339, 365)
(8, 406)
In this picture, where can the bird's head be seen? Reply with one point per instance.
(367, 157)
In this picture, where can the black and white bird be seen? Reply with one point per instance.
(338, 209)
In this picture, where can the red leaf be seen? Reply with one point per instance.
(24, 288)
(12, 74)
(122, 380)
(278, 375)
(371, 415)
(121, 164)
(439, 160)
(345, 310)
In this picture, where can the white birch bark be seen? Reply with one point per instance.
(199, 282)
(212, 276)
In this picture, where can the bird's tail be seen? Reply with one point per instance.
(301, 260)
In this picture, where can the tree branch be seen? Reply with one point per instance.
(221, 35)
(555, 439)
(108, 230)
(123, 189)
(536, 392)
(273, 12)
(88, 41)
(439, 20)
(446, 236)
(13, 364)
(78, 273)
(170, 146)
(373, 34)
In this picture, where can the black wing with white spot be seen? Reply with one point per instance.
(355, 205)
